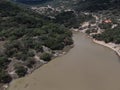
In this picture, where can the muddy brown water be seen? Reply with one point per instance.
(87, 66)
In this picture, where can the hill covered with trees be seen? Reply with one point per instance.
(25, 35)
(79, 5)
(96, 5)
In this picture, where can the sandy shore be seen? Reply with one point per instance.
(114, 47)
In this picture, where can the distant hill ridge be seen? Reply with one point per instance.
(31, 1)
(94, 5)
(91, 5)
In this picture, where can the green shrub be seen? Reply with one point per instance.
(4, 77)
(21, 71)
(4, 62)
(46, 56)
(30, 62)
(31, 53)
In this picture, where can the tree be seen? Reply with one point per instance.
(30, 62)
(4, 77)
(31, 53)
(4, 62)
(21, 71)
(46, 57)
(21, 56)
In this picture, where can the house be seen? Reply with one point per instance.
(107, 21)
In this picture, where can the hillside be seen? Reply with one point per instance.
(89, 5)
(96, 5)
(27, 40)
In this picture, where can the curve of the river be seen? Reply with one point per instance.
(87, 66)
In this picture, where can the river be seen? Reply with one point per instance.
(87, 66)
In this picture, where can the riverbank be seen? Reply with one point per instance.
(58, 53)
(112, 46)
(88, 26)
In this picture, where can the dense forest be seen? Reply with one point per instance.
(25, 34)
(96, 5)
(71, 20)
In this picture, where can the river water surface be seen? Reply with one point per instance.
(87, 66)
